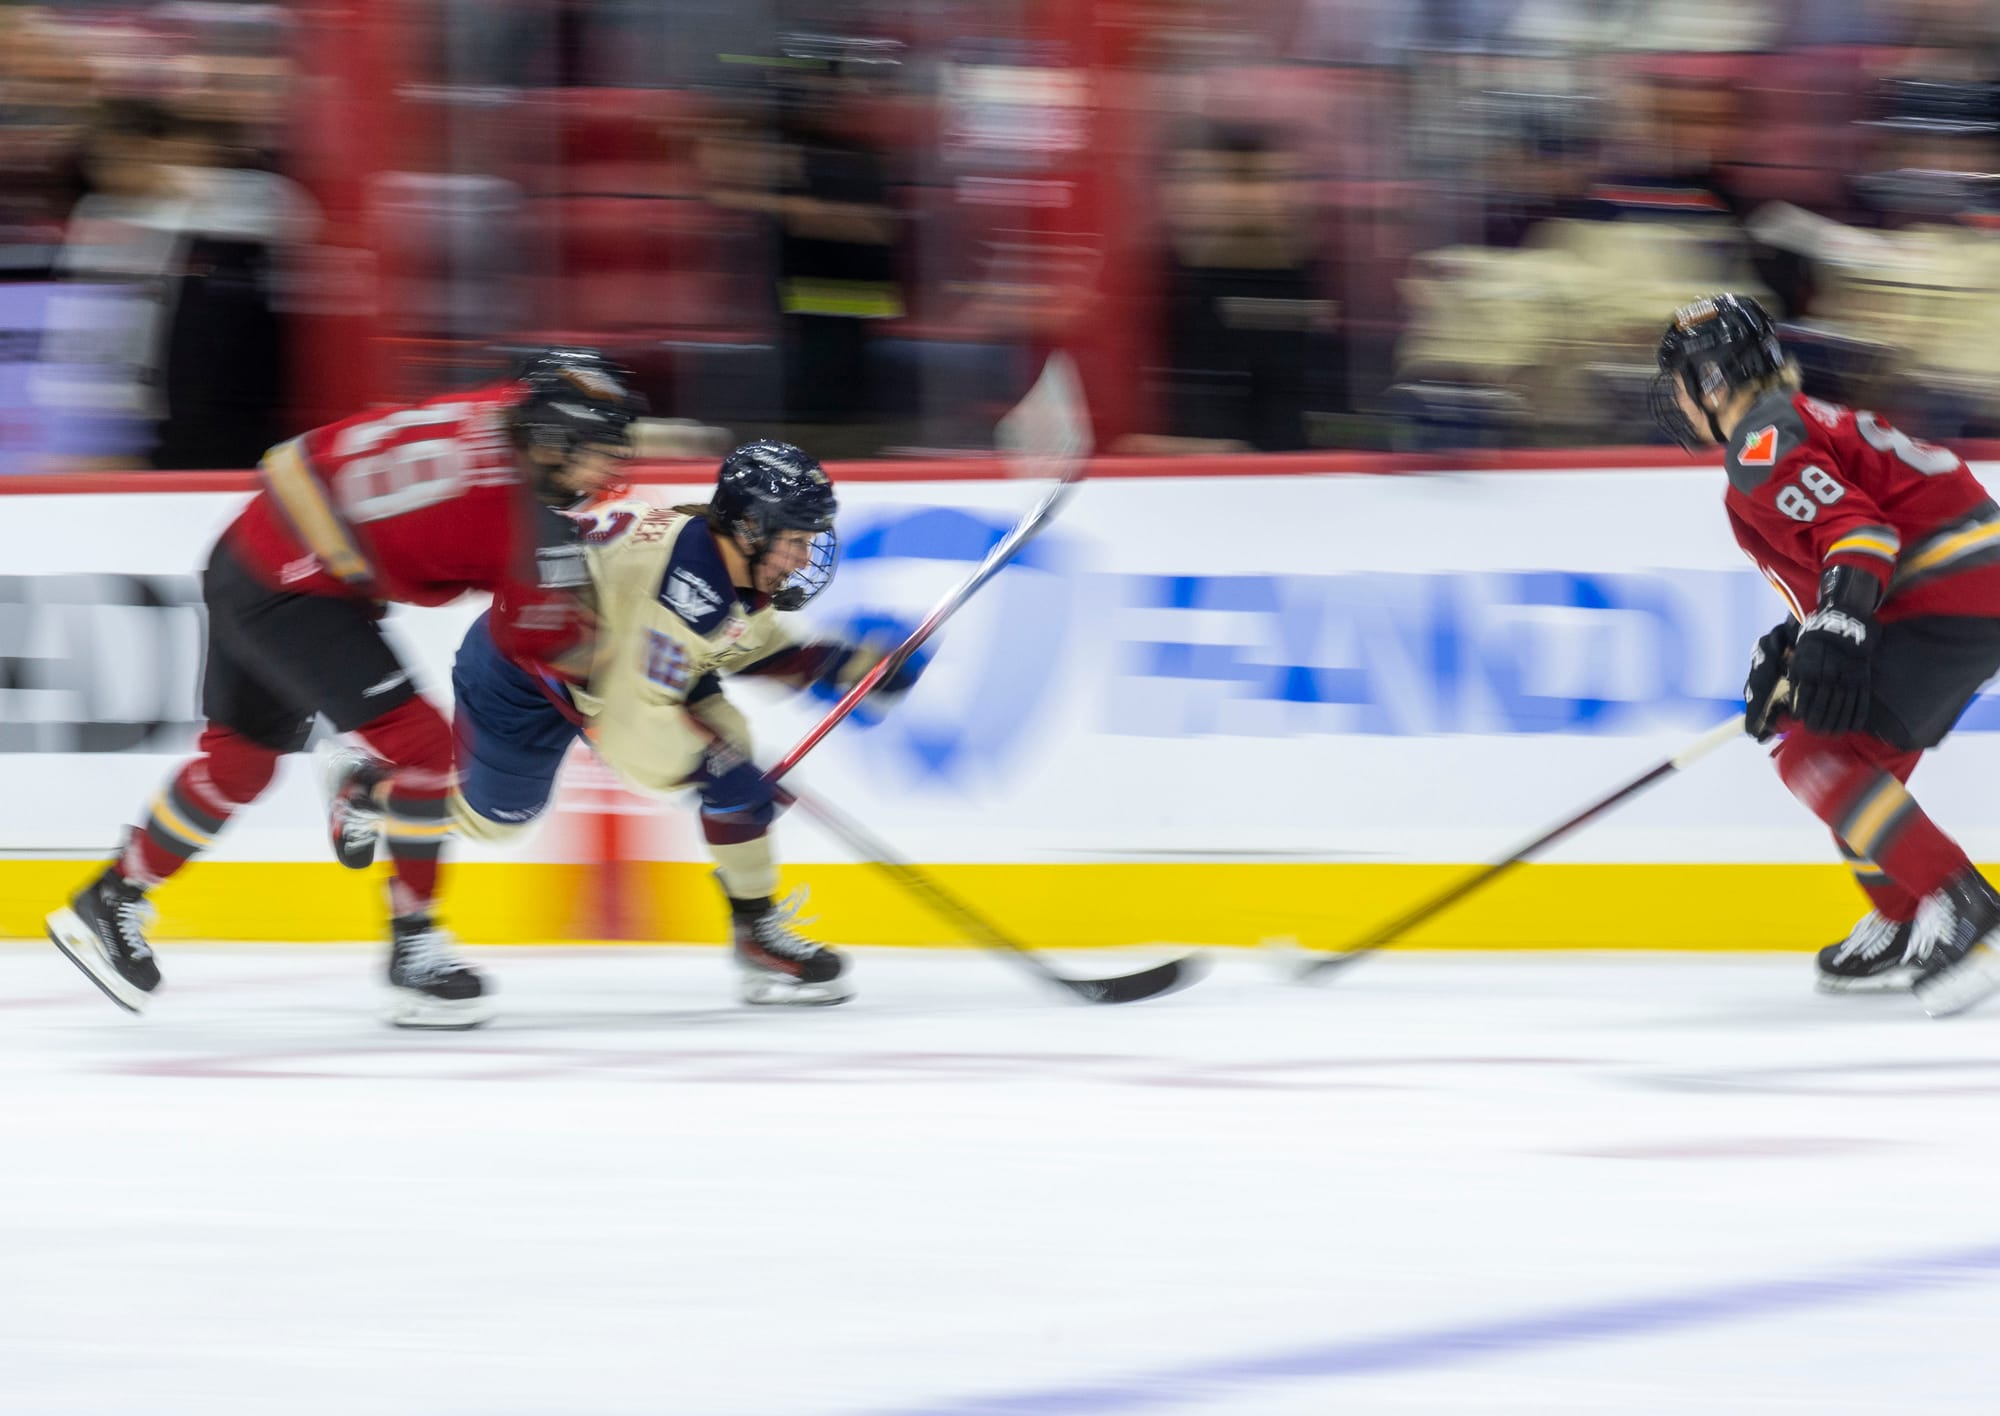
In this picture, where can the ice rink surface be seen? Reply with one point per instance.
(1445, 1183)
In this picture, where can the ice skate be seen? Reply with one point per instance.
(1870, 959)
(353, 816)
(1957, 943)
(103, 931)
(430, 986)
(779, 966)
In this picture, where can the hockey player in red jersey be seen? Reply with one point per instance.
(413, 505)
(1887, 552)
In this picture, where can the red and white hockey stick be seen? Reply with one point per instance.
(1046, 435)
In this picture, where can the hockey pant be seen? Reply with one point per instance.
(510, 736)
(275, 661)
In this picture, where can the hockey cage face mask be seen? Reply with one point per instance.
(1663, 399)
(822, 552)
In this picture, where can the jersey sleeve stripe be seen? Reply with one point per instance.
(1868, 541)
(1949, 548)
(302, 497)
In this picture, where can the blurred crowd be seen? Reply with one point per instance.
(1263, 224)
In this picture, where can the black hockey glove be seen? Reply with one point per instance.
(1768, 662)
(1830, 689)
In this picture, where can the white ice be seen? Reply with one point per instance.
(1446, 1183)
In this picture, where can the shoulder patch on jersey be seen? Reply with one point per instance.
(1760, 449)
(1770, 432)
(696, 585)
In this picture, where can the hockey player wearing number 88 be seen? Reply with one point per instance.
(686, 598)
(1887, 552)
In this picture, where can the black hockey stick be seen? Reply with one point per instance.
(1124, 988)
(1311, 970)
(1047, 432)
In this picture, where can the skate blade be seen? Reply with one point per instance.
(777, 991)
(1971, 980)
(78, 943)
(410, 1009)
(1898, 980)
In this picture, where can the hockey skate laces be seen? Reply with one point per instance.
(1870, 937)
(1936, 922)
(776, 929)
(428, 954)
(132, 917)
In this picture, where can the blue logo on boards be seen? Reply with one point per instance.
(1176, 656)
(1003, 675)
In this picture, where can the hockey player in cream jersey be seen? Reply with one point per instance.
(686, 597)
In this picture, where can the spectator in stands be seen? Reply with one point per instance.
(176, 247)
(1241, 293)
(44, 104)
(1676, 165)
(837, 245)
(1546, 166)
(1936, 155)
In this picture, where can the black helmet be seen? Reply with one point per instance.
(1719, 343)
(575, 397)
(765, 487)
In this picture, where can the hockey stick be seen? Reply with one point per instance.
(1047, 432)
(1124, 988)
(1314, 969)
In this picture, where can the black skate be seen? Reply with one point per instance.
(103, 930)
(1871, 959)
(353, 816)
(1958, 946)
(429, 985)
(779, 965)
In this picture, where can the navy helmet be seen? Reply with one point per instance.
(766, 487)
(1713, 345)
(576, 397)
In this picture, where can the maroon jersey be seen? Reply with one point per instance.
(419, 505)
(1813, 485)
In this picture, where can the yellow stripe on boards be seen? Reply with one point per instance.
(492, 902)
(1720, 907)
(1705, 907)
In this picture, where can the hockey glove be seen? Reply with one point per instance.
(1830, 664)
(1767, 671)
(847, 665)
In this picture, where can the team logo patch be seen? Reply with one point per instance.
(1760, 449)
(1827, 415)
(689, 596)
